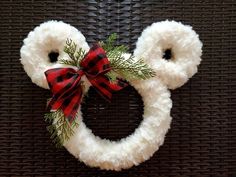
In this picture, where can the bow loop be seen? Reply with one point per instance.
(58, 78)
(95, 62)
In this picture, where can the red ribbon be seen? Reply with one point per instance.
(65, 83)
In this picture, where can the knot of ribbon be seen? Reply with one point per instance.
(65, 83)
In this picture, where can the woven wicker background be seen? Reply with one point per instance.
(202, 141)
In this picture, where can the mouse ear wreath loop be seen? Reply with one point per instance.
(107, 68)
(44, 47)
(176, 41)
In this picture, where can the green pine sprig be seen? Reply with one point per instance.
(75, 55)
(60, 129)
(129, 68)
(109, 45)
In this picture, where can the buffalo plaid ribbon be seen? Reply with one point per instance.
(65, 83)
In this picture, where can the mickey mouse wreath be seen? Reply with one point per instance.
(109, 68)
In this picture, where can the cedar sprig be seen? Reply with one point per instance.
(60, 129)
(110, 45)
(75, 55)
(129, 67)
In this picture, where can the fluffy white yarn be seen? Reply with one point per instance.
(185, 46)
(147, 138)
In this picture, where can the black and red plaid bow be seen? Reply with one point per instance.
(65, 83)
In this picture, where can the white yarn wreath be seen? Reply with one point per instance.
(147, 138)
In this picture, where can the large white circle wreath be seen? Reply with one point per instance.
(147, 138)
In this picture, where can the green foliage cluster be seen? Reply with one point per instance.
(60, 129)
(127, 66)
(75, 55)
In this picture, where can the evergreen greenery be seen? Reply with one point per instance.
(128, 67)
(60, 129)
(75, 56)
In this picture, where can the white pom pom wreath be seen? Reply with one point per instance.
(49, 37)
(149, 136)
(185, 46)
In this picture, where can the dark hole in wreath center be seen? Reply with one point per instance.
(116, 119)
(167, 54)
(53, 56)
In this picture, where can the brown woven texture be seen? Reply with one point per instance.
(202, 138)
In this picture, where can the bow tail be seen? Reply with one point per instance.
(105, 88)
(68, 105)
